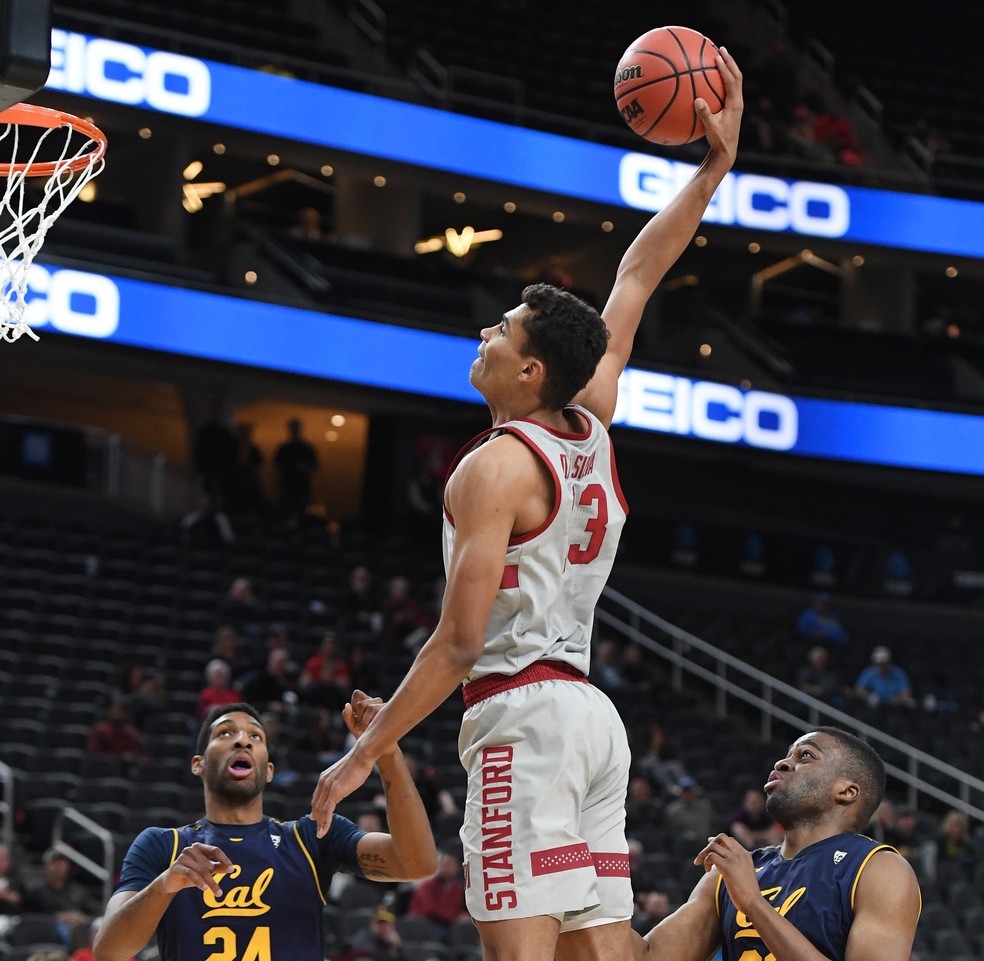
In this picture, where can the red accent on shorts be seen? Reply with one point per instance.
(567, 858)
(510, 577)
(467, 875)
(613, 865)
(491, 684)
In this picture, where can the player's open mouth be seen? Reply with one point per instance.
(241, 766)
(774, 779)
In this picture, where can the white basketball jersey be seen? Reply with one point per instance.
(552, 577)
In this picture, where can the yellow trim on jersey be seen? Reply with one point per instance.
(857, 877)
(717, 895)
(310, 861)
(174, 853)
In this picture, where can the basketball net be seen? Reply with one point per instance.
(36, 191)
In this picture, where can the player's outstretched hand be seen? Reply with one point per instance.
(197, 866)
(735, 864)
(722, 128)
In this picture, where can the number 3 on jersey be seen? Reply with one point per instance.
(593, 495)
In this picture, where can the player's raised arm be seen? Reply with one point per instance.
(660, 243)
(484, 496)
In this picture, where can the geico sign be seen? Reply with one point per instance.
(123, 73)
(745, 200)
(87, 305)
(700, 408)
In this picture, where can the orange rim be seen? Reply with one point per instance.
(32, 115)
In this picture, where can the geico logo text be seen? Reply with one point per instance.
(123, 73)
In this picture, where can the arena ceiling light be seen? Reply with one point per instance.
(457, 244)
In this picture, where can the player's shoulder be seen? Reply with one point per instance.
(505, 457)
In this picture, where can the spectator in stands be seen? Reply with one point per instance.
(818, 680)
(361, 610)
(241, 608)
(327, 651)
(690, 814)
(883, 682)
(441, 898)
(442, 810)
(361, 674)
(955, 855)
(214, 453)
(278, 750)
(324, 689)
(802, 136)
(267, 686)
(116, 736)
(658, 762)
(751, 824)
(643, 876)
(218, 688)
(834, 131)
(205, 526)
(765, 128)
(642, 807)
(227, 647)
(651, 908)
(380, 942)
(148, 698)
(911, 834)
(638, 671)
(296, 461)
(11, 885)
(402, 615)
(819, 623)
(606, 672)
(58, 895)
(246, 497)
(324, 734)
(425, 487)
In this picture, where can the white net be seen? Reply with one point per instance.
(46, 167)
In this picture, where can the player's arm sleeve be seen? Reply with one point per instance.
(152, 851)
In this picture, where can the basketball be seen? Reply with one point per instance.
(659, 77)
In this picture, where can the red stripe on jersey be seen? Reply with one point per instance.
(566, 858)
(510, 577)
(612, 865)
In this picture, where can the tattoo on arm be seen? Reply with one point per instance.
(374, 865)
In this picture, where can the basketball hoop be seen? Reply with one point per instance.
(79, 149)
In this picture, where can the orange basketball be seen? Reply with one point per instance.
(659, 77)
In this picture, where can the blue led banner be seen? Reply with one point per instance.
(228, 329)
(363, 124)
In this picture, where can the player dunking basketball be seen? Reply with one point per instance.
(533, 513)
(237, 885)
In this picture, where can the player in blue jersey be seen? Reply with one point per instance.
(239, 886)
(826, 893)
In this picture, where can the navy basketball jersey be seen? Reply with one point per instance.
(271, 906)
(814, 891)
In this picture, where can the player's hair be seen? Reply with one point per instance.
(568, 335)
(219, 711)
(861, 763)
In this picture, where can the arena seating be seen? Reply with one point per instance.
(73, 651)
